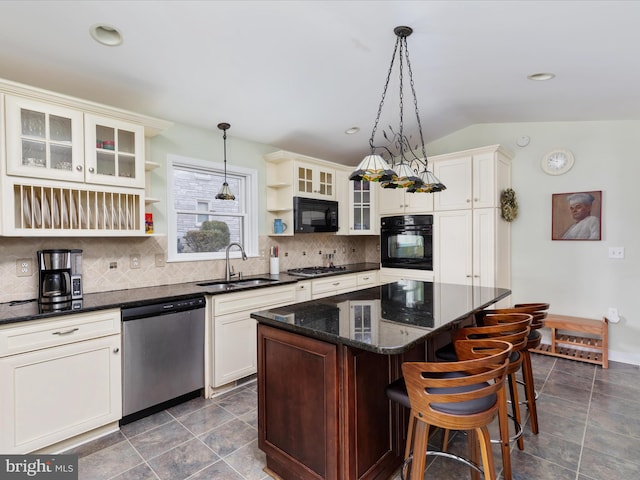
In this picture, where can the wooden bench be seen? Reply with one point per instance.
(582, 339)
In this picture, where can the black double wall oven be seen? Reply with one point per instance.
(406, 241)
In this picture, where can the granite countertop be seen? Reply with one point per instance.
(388, 319)
(25, 310)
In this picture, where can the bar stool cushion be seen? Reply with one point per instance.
(446, 353)
(397, 391)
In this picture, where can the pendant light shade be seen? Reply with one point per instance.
(373, 168)
(402, 168)
(225, 192)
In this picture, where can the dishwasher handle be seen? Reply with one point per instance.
(162, 308)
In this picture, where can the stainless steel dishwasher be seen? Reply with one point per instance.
(162, 355)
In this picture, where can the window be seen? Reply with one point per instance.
(200, 226)
(202, 206)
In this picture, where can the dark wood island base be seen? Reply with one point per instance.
(322, 408)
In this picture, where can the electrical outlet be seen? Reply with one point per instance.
(113, 265)
(24, 267)
(159, 259)
(616, 252)
(134, 260)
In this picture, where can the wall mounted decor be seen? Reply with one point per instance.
(576, 216)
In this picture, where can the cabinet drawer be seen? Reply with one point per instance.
(39, 334)
(257, 299)
(303, 291)
(333, 284)
(367, 279)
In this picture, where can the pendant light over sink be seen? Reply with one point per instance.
(225, 192)
(404, 167)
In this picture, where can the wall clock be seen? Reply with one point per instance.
(557, 161)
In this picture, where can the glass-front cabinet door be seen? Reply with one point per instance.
(315, 181)
(114, 152)
(44, 141)
(363, 218)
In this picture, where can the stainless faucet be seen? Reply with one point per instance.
(229, 270)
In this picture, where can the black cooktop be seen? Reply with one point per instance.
(315, 271)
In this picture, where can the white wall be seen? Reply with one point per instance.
(577, 277)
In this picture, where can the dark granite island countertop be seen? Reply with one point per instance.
(323, 367)
(388, 319)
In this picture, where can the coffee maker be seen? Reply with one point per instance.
(60, 277)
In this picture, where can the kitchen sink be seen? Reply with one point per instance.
(219, 286)
(233, 284)
(253, 281)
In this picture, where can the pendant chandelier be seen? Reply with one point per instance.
(404, 167)
(225, 192)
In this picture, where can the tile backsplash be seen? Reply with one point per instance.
(101, 254)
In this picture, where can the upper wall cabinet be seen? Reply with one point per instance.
(44, 141)
(357, 214)
(47, 141)
(474, 178)
(290, 175)
(114, 152)
(315, 181)
(397, 201)
(70, 167)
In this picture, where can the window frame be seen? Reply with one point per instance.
(249, 215)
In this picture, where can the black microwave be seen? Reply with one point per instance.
(311, 215)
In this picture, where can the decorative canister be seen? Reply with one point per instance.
(109, 145)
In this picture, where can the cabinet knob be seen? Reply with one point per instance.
(468, 201)
(476, 199)
(79, 168)
(468, 276)
(91, 170)
(116, 350)
(336, 283)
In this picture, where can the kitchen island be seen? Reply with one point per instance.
(323, 367)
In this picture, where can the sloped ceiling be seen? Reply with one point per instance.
(297, 74)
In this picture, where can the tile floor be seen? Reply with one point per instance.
(589, 430)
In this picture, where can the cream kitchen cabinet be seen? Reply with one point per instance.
(234, 331)
(472, 247)
(389, 275)
(363, 218)
(61, 379)
(303, 291)
(71, 167)
(337, 284)
(471, 242)
(114, 152)
(44, 140)
(53, 142)
(357, 203)
(314, 180)
(397, 201)
(289, 175)
(474, 178)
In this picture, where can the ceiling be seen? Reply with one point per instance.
(297, 74)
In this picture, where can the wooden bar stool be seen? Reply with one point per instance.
(512, 328)
(464, 395)
(516, 329)
(538, 311)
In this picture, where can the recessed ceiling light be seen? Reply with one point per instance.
(106, 34)
(352, 130)
(540, 77)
